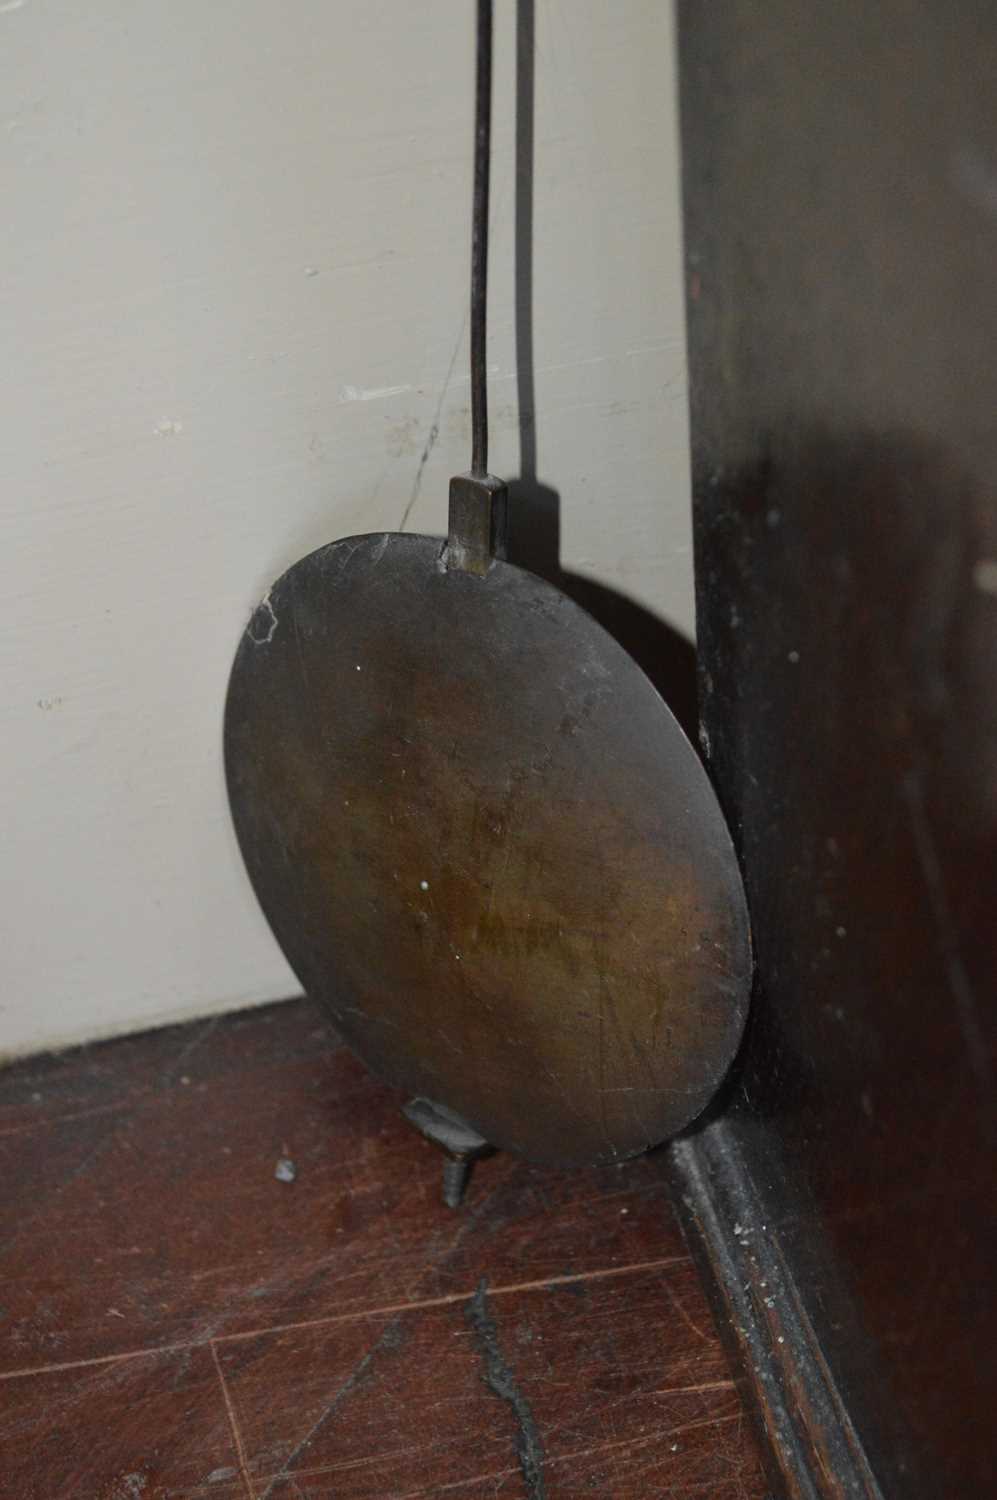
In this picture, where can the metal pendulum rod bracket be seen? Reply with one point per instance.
(479, 501)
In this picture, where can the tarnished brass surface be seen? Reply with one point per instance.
(484, 843)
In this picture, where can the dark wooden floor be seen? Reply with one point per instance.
(176, 1321)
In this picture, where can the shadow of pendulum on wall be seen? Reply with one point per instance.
(664, 655)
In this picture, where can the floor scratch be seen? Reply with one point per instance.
(387, 1340)
(202, 1034)
(234, 1426)
(45, 1122)
(500, 1379)
(447, 1299)
(676, 1303)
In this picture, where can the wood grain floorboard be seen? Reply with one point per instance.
(125, 1430)
(176, 1321)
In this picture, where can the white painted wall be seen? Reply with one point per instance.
(234, 283)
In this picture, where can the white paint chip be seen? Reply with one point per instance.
(424, 885)
(375, 393)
